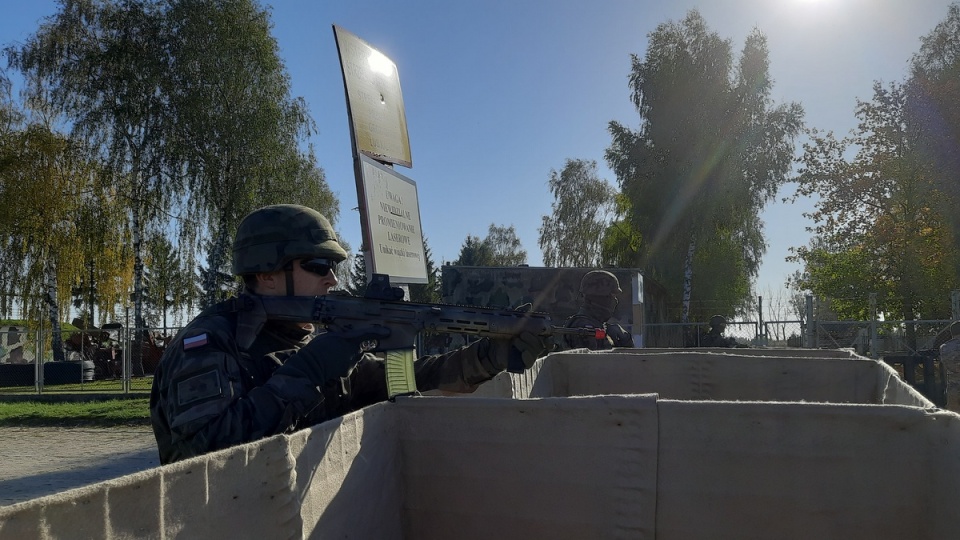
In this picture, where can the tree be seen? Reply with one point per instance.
(46, 188)
(932, 113)
(475, 252)
(573, 233)
(239, 130)
(428, 292)
(877, 224)
(169, 285)
(505, 246)
(103, 65)
(500, 247)
(711, 150)
(357, 284)
(621, 239)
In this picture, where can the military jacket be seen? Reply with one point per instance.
(208, 394)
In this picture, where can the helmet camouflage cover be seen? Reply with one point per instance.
(599, 283)
(272, 236)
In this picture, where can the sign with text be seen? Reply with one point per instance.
(392, 215)
(374, 102)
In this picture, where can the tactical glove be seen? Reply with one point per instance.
(618, 335)
(517, 354)
(330, 355)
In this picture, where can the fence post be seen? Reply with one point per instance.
(808, 305)
(761, 328)
(37, 364)
(955, 305)
(40, 354)
(125, 335)
(873, 326)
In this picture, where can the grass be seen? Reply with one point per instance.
(98, 387)
(104, 413)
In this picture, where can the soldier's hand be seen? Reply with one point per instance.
(367, 335)
(328, 356)
(618, 335)
(519, 353)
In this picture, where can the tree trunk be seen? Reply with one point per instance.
(139, 325)
(50, 299)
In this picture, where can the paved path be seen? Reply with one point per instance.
(41, 461)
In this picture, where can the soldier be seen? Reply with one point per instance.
(714, 338)
(209, 392)
(598, 300)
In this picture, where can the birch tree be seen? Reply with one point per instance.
(239, 129)
(710, 151)
(103, 67)
(583, 206)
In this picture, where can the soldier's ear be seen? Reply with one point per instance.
(268, 281)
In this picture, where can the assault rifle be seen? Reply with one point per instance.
(382, 305)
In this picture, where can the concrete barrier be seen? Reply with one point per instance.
(863, 457)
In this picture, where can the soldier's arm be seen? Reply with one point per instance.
(459, 371)
(202, 401)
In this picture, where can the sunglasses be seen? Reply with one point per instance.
(320, 267)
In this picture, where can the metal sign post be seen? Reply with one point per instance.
(389, 210)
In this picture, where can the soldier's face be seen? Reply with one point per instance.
(306, 283)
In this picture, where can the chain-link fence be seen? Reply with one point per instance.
(112, 359)
(737, 333)
(875, 339)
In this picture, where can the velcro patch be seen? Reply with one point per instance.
(198, 388)
(195, 341)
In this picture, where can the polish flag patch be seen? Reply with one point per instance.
(194, 342)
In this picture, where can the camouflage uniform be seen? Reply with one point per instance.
(217, 386)
(208, 394)
(714, 338)
(598, 288)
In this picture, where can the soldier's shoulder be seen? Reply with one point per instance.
(219, 325)
(205, 333)
(580, 320)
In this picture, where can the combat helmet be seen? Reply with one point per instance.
(272, 236)
(718, 321)
(599, 283)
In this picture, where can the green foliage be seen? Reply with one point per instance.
(878, 227)
(932, 114)
(102, 67)
(500, 247)
(357, 284)
(572, 234)
(505, 246)
(239, 130)
(430, 291)
(621, 239)
(169, 285)
(475, 252)
(710, 152)
(186, 106)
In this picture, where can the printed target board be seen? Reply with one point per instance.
(374, 101)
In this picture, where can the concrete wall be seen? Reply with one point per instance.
(705, 463)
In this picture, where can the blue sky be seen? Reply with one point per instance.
(500, 92)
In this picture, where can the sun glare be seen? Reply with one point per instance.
(380, 63)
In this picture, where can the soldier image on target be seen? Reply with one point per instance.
(598, 301)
